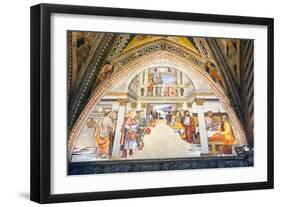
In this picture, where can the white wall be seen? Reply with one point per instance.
(14, 90)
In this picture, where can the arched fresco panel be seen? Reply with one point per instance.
(137, 91)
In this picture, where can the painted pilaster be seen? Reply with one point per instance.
(119, 122)
(202, 126)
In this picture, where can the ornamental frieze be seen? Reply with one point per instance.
(162, 45)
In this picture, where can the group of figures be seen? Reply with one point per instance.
(184, 124)
(135, 126)
(156, 81)
(132, 131)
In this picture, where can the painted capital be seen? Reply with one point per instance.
(180, 105)
(134, 105)
(199, 101)
(143, 105)
(123, 101)
(189, 105)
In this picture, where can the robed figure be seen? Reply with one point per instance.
(177, 125)
(129, 135)
(224, 135)
(103, 135)
(189, 126)
(211, 125)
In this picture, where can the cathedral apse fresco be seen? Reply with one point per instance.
(137, 100)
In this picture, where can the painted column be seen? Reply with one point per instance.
(74, 59)
(141, 78)
(141, 83)
(119, 122)
(144, 108)
(189, 108)
(145, 90)
(178, 81)
(180, 105)
(146, 77)
(145, 81)
(202, 126)
(129, 107)
(138, 107)
(162, 89)
(178, 77)
(184, 106)
(154, 91)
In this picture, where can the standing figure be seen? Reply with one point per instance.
(150, 90)
(166, 90)
(103, 135)
(182, 114)
(140, 118)
(150, 78)
(174, 90)
(211, 125)
(169, 118)
(232, 54)
(158, 81)
(154, 115)
(188, 123)
(130, 137)
(173, 119)
(158, 116)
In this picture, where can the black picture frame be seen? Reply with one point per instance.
(41, 102)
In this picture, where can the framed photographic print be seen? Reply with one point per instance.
(132, 103)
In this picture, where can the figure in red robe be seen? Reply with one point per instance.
(129, 135)
(189, 126)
